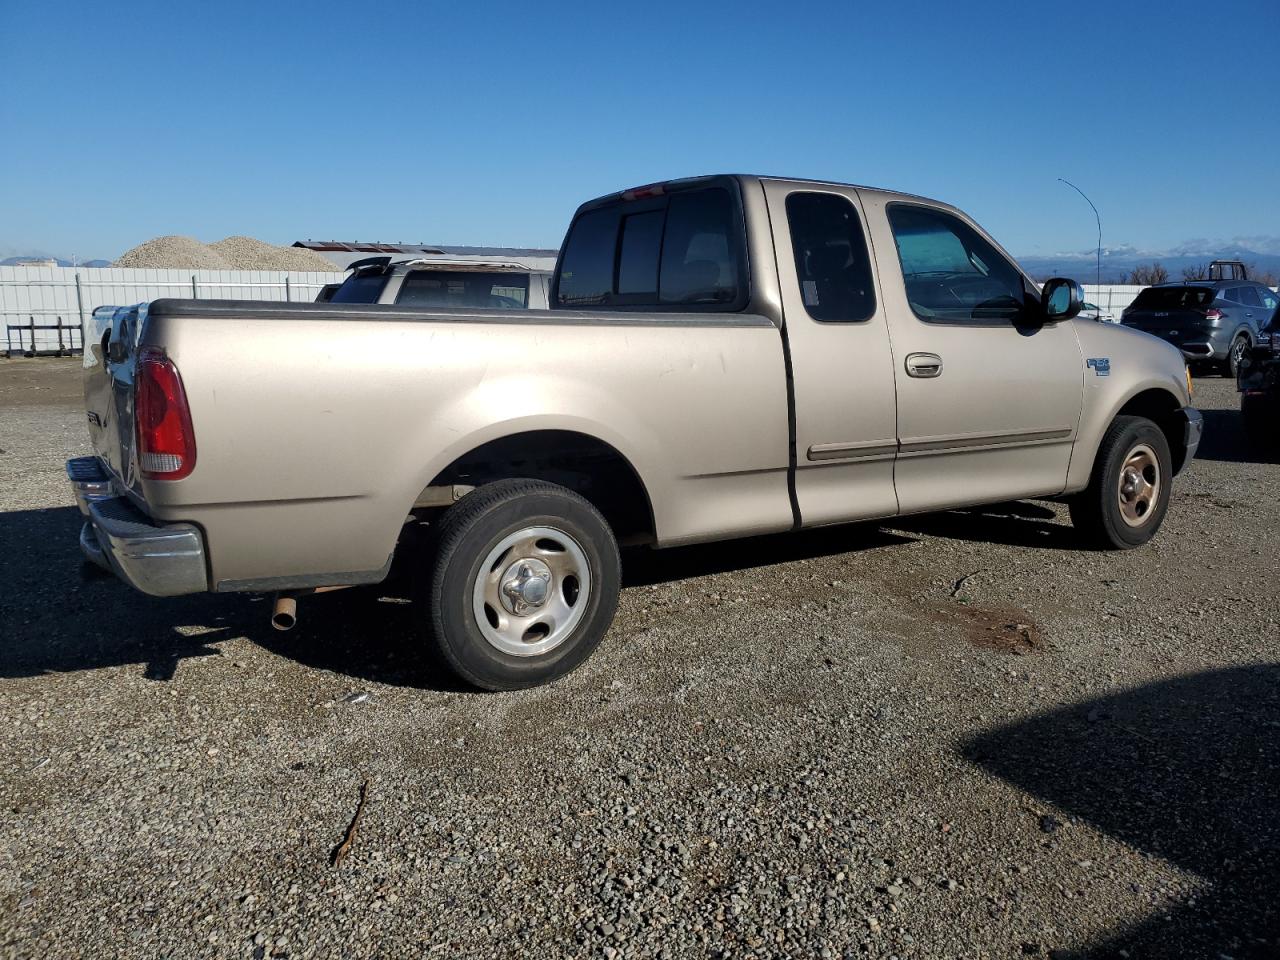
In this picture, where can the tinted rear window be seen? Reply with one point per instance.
(832, 265)
(681, 251)
(1173, 298)
(360, 288)
(638, 260)
(586, 275)
(464, 288)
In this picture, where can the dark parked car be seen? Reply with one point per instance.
(1258, 381)
(1210, 321)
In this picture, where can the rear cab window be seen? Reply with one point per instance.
(677, 248)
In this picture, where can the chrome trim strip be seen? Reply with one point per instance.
(971, 441)
(854, 450)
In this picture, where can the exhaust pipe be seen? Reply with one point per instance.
(284, 613)
(284, 616)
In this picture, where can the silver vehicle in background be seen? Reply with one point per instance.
(1091, 311)
(480, 284)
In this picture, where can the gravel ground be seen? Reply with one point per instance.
(953, 736)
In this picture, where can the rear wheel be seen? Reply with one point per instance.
(1128, 494)
(1239, 346)
(525, 584)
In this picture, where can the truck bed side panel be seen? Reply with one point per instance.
(316, 434)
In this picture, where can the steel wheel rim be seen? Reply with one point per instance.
(1138, 489)
(531, 591)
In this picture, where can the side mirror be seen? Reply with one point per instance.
(1061, 299)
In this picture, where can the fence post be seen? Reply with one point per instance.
(195, 289)
(32, 324)
(287, 295)
(79, 300)
(59, 335)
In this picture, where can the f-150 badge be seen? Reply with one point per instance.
(1101, 366)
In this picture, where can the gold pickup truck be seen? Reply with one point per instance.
(723, 356)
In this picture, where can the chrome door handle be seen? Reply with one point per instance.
(924, 365)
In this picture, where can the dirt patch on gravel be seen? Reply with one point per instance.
(1004, 629)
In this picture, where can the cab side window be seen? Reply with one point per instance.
(832, 264)
(953, 274)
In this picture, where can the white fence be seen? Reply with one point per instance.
(54, 297)
(1111, 297)
(35, 297)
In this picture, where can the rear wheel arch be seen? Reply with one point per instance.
(587, 465)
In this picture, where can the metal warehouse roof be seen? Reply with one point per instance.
(420, 249)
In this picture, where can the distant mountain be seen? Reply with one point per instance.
(1118, 261)
(19, 261)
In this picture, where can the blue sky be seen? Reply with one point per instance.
(487, 123)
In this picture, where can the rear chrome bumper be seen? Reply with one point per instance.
(90, 482)
(163, 560)
(1192, 431)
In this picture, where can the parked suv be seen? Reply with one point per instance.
(1210, 321)
(442, 284)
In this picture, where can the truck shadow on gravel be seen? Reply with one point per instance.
(1019, 523)
(61, 615)
(1187, 770)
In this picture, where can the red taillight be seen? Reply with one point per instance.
(641, 193)
(166, 443)
(1213, 313)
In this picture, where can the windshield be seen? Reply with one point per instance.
(1173, 298)
(364, 287)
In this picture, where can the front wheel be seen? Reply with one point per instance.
(525, 584)
(1128, 494)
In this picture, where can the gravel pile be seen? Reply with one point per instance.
(233, 253)
(838, 744)
(246, 253)
(172, 253)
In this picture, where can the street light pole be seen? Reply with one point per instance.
(1097, 217)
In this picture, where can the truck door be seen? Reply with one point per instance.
(988, 394)
(842, 367)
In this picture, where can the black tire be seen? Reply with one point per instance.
(1096, 512)
(1231, 366)
(468, 532)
